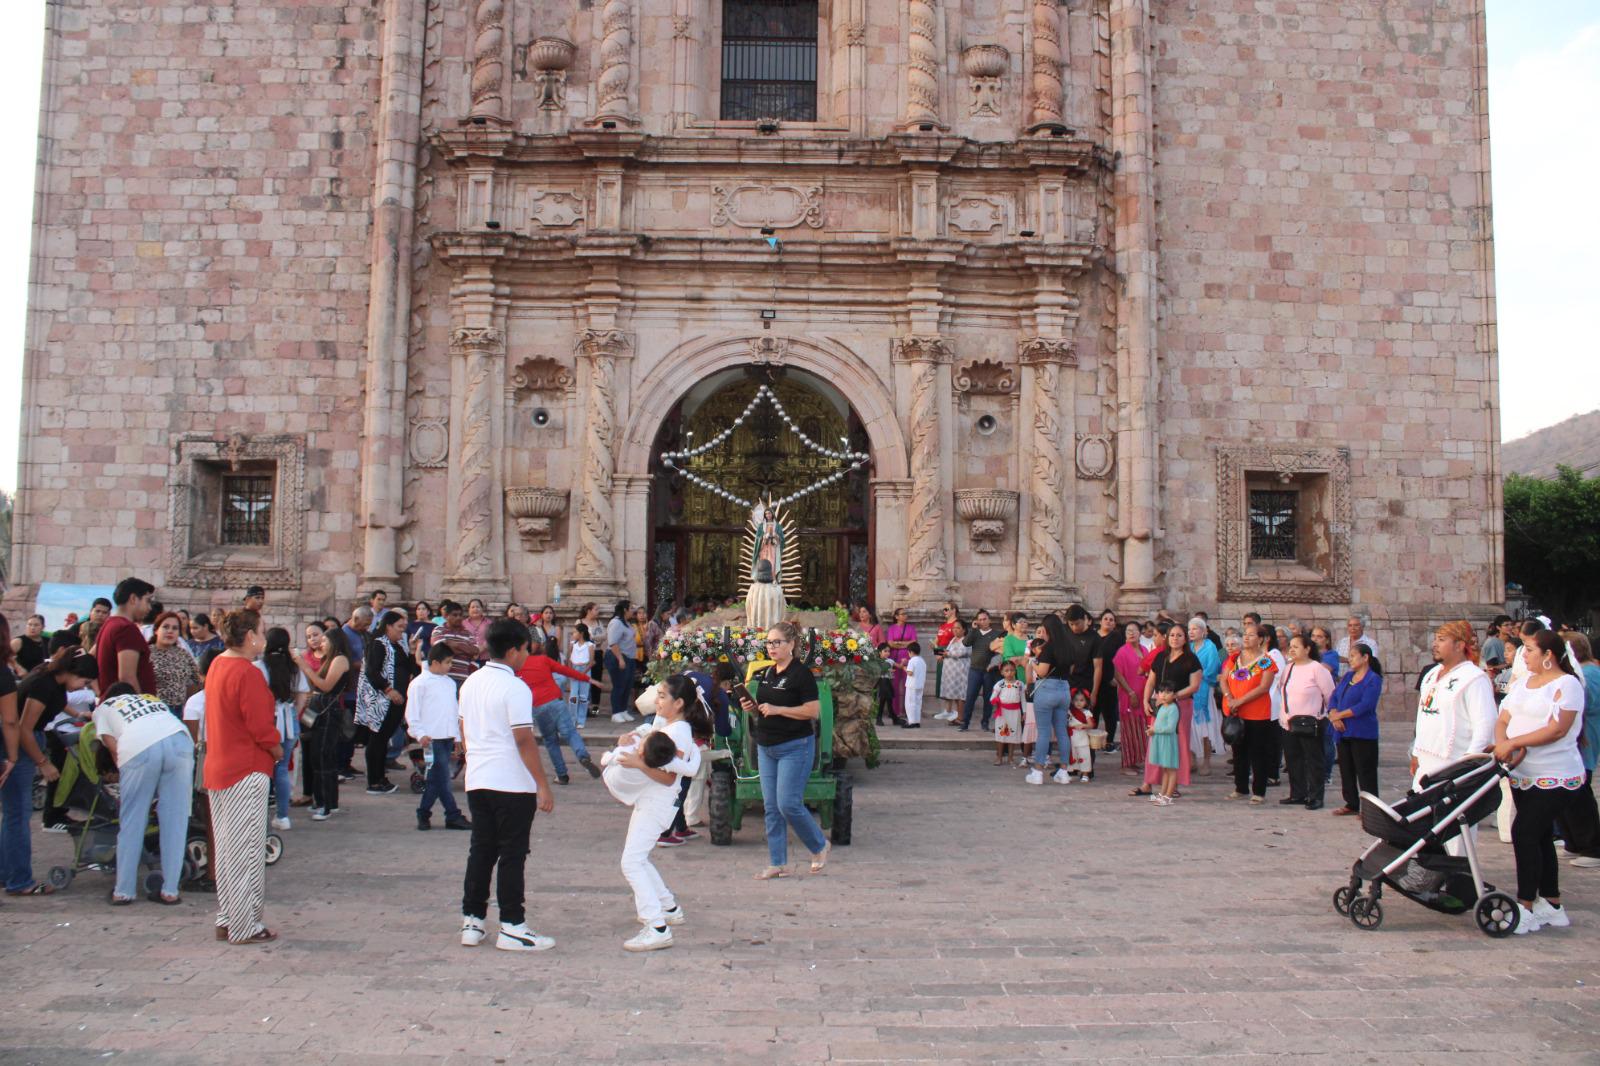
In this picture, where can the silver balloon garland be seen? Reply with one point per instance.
(856, 459)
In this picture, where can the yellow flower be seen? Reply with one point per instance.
(851, 645)
(677, 656)
(722, 658)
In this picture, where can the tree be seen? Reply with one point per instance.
(1553, 540)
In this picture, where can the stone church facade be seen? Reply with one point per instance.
(1140, 304)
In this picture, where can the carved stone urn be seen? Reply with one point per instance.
(534, 508)
(989, 510)
(985, 65)
(550, 57)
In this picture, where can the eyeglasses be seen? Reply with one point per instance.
(775, 640)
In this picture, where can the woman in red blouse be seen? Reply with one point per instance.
(552, 713)
(242, 746)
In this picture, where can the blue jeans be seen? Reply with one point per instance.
(555, 725)
(979, 685)
(163, 772)
(282, 783)
(438, 783)
(16, 838)
(621, 683)
(1052, 699)
(784, 770)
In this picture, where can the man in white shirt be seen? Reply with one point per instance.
(505, 783)
(1355, 633)
(433, 717)
(1456, 712)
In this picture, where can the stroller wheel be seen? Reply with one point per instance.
(1366, 913)
(418, 783)
(152, 881)
(1342, 898)
(274, 848)
(41, 792)
(195, 853)
(60, 876)
(1497, 914)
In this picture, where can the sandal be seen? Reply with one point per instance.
(1140, 792)
(118, 901)
(222, 932)
(162, 898)
(772, 873)
(38, 888)
(821, 858)
(262, 936)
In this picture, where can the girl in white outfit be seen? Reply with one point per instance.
(682, 714)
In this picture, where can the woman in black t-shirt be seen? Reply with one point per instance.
(1177, 668)
(783, 724)
(28, 649)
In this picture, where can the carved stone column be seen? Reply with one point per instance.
(614, 72)
(596, 575)
(488, 59)
(927, 560)
(922, 65)
(1045, 531)
(394, 195)
(477, 549)
(1047, 96)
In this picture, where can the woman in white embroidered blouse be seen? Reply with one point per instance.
(1541, 717)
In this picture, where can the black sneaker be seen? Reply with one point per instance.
(563, 779)
(347, 774)
(1111, 749)
(424, 823)
(1291, 801)
(383, 789)
(588, 764)
(457, 823)
(394, 764)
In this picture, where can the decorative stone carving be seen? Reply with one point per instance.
(769, 351)
(594, 560)
(1095, 456)
(922, 65)
(555, 209)
(477, 339)
(767, 206)
(540, 375)
(616, 63)
(985, 66)
(611, 342)
(193, 561)
(1049, 100)
(1047, 564)
(1048, 350)
(985, 377)
(977, 214)
(1325, 575)
(550, 58)
(989, 511)
(488, 63)
(534, 509)
(925, 548)
(856, 33)
(430, 443)
(921, 348)
(480, 348)
(682, 26)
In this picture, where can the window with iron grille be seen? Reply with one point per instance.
(1273, 524)
(769, 60)
(247, 509)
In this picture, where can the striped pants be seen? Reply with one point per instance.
(239, 819)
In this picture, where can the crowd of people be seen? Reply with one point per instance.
(209, 718)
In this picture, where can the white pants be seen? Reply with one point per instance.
(913, 706)
(694, 805)
(1427, 765)
(651, 899)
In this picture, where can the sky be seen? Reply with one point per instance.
(1544, 95)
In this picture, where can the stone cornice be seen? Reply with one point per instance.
(469, 144)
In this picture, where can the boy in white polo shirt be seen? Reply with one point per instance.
(433, 716)
(505, 783)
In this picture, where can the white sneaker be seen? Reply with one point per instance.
(318, 814)
(1586, 862)
(281, 823)
(471, 932)
(1061, 777)
(521, 938)
(1034, 777)
(649, 939)
(622, 717)
(1550, 916)
(675, 916)
(1527, 922)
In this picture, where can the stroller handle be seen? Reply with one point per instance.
(1515, 759)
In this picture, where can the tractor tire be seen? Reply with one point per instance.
(720, 804)
(843, 805)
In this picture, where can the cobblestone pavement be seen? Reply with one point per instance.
(975, 918)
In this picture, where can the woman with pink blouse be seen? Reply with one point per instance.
(1305, 687)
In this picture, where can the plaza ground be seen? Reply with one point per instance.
(973, 919)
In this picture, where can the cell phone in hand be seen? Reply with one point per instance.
(740, 694)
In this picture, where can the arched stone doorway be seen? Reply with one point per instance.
(696, 536)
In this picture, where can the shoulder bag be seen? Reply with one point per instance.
(1300, 725)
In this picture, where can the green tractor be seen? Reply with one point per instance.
(736, 781)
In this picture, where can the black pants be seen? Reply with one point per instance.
(501, 824)
(1304, 754)
(680, 824)
(57, 753)
(378, 746)
(320, 751)
(1533, 839)
(1106, 708)
(1358, 770)
(1582, 822)
(1254, 756)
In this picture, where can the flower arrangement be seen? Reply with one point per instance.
(835, 654)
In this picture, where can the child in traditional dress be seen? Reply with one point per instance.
(1080, 719)
(1164, 744)
(1007, 702)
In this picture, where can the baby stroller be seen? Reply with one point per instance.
(1409, 855)
(197, 845)
(94, 840)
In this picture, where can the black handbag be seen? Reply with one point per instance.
(1232, 729)
(1301, 725)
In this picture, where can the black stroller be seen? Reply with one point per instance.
(1409, 854)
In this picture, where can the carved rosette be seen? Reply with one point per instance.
(616, 61)
(533, 509)
(595, 561)
(922, 64)
(1049, 99)
(989, 511)
(488, 63)
(473, 546)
